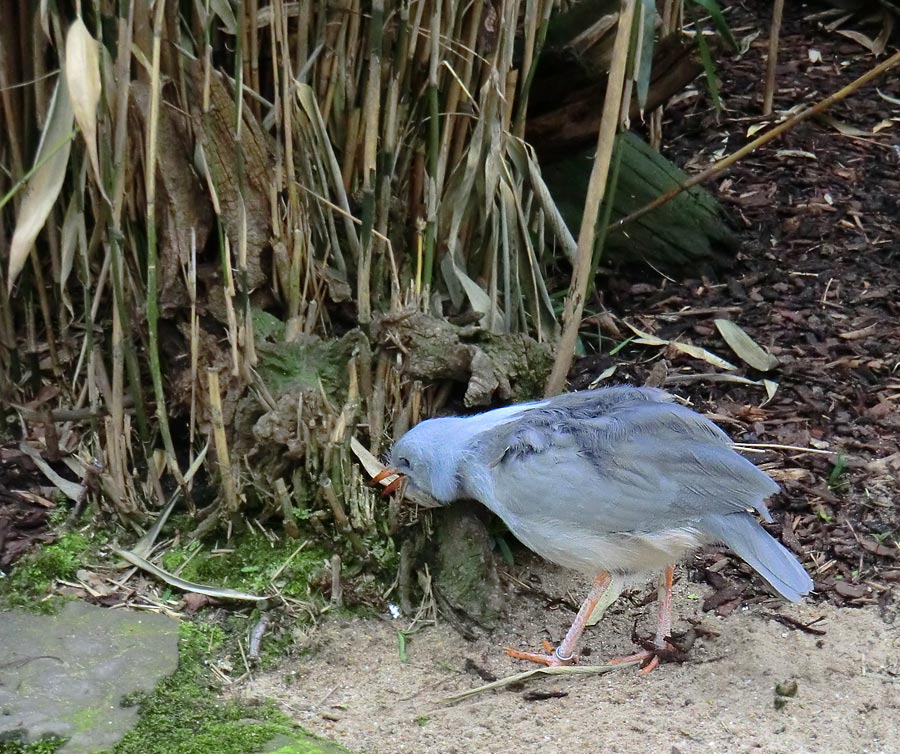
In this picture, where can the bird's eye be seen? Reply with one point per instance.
(403, 462)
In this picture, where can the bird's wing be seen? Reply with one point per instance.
(639, 466)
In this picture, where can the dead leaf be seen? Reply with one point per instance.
(844, 128)
(876, 548)
(82, 69)
(874, 46)
(696, 352)
(850, 591)
(745, 347)
(858, 334)
(46, 180)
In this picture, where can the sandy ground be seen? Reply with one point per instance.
(353, 687)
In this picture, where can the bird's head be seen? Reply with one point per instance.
(427, 458)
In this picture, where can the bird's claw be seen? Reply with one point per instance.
(552, 658)
(652, 655)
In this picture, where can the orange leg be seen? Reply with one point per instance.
(663, 626)
(565, 652)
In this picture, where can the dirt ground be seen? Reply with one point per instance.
(352, 686)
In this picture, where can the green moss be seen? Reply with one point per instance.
(47, 746)
(185, 716)
(84, 719)
(33, 576)
(253, 564)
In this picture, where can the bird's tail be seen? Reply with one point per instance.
(741, 533)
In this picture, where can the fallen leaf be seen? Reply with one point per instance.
(850, 591)
(874, 46)
(746, 348)
(858, 334)
(696, 352)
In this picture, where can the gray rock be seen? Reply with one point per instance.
(65, 675)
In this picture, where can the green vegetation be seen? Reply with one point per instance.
(253, 563)
(185, 715)
(47, 746)
(31, 579)
(836, 479)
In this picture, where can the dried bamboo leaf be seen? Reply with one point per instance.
(696, 352)
(559, 670)
(82, 69)
(222, 8)
(187, 586)
(745, 347)
(73, 228)
(307, 98)
(46, 180)
(521, 152)
(71, 490)
(478, 298)
(373, 467)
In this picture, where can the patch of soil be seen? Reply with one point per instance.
(353, 687)
(25, 507)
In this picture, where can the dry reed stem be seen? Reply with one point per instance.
(612, 106)
(226, 474)
(772, 57)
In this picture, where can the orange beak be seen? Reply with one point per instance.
(391, 486)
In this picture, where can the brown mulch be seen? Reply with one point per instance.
(816, 283)
(25, 507)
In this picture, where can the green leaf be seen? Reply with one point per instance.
(718, 19)
(709, 69)
(505, 552)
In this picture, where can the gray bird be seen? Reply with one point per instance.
(619, 482)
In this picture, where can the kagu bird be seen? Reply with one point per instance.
(616, 482)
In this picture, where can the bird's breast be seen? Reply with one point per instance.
(632, 553)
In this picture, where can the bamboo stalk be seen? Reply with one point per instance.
(226, 473)
(534, 46)
(772, 57)
(612, 106)
(432, 150)
(371, 117)
(152, 250)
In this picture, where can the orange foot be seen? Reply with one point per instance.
(551, 659)
(651, 656)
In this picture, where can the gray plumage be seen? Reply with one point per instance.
(618, 479)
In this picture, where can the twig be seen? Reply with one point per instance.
(564, 670)
(807, 628)
(232, 503)
(776, 446)
(337, 589)
(256, 637)
(340, 518)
